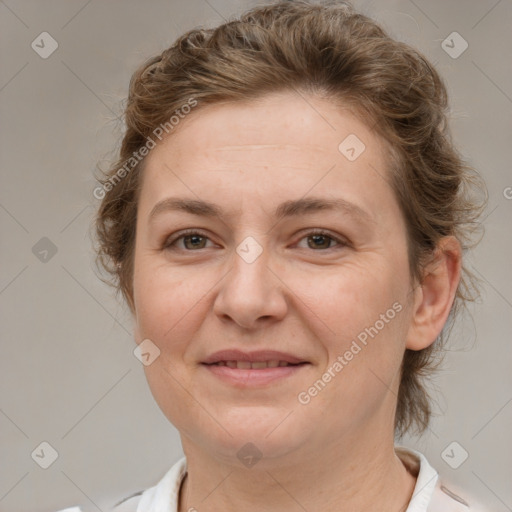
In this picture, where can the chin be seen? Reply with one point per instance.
(250, 432)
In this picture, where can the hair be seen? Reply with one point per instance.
(329, 50)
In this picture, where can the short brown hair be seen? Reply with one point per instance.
(332, 51)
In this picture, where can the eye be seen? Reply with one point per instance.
(192, 240)
(320, 239)
(195, 240)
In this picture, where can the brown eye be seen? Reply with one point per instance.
(320, 240)
(192, 240)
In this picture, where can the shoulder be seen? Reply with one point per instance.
(162, 497)
(433, 493)
(447, 498)
(129, 504)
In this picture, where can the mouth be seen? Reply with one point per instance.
(258, 359)
(253, 369)
(255, 365)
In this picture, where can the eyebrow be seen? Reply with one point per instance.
(286, 209)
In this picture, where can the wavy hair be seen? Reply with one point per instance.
(330, 50)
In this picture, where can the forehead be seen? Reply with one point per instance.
(298, 124)
(281, 144)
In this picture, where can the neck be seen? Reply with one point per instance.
(346, 475)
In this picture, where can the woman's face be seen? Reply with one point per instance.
(254, 275)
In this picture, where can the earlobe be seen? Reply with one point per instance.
(434, 297)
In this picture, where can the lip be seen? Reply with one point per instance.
(255, 356)
(252, 377)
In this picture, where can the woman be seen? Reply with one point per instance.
(286, 221)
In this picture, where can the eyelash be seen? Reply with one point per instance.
(168, 244)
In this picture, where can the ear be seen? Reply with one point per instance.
(434, 296)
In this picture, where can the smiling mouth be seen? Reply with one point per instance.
(254, 365)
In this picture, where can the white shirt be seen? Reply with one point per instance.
(430, 494)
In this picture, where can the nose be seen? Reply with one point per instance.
(252, 294)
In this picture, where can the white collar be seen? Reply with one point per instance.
(164, 496)
(429, 495)
(426, 478)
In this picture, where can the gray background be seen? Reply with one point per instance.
(68, 374)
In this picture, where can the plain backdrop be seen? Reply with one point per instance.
(68, 374)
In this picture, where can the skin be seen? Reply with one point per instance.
(306, 296)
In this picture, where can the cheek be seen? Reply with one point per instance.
(169, 304)
(168, 312)
(351, 297)
(359, 313)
